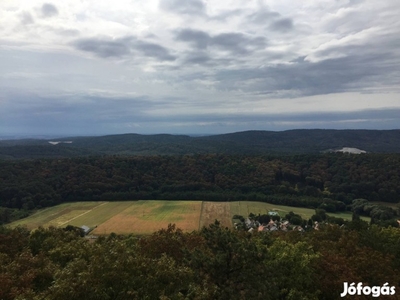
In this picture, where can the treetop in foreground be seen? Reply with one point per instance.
(213, 263)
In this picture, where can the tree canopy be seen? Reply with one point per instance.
(213, 263)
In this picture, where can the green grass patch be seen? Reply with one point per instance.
(244, 208)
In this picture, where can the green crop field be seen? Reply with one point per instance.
(147, 216)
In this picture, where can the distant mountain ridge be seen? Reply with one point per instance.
(246, 142)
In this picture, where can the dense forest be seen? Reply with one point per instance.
(333, 180)
(213, 263)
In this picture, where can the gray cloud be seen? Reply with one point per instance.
(197, 58)
(222, 57)
(227, 14)
(271, 19)
(230, 41)
(154, 50)
(26, 18)
(262, 16)
(68, 32)
(198, 38)
(305, 78)
(188, 7)
(282, 25)
(236, 43)
(122, 47)
(104, 48)
(49, 10)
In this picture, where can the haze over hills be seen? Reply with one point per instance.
(246, 142)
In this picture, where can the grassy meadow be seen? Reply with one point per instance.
(244, 208)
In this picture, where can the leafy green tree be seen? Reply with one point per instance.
(291, 269)
(232, 262)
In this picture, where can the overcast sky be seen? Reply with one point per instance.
(93, 67)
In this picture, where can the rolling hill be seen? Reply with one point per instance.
(246, 142)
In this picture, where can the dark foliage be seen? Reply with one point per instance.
(326, 181)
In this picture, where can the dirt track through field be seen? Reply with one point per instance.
(212, 211)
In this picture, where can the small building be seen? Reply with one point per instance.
(85, 229)
(273, 228)
(273, 213)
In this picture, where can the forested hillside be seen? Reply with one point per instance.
(239, 143)
(301, 180)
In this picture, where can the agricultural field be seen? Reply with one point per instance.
(139, 217)
(144, 217)
(147, 216)
(62, 215)
(211, 211)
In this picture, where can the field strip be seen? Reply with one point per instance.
(216, 211)
(201, 213)
(42, 211)
(82, 214)
(148, 216)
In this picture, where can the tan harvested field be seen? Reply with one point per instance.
(145, 217)
(216, 210)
